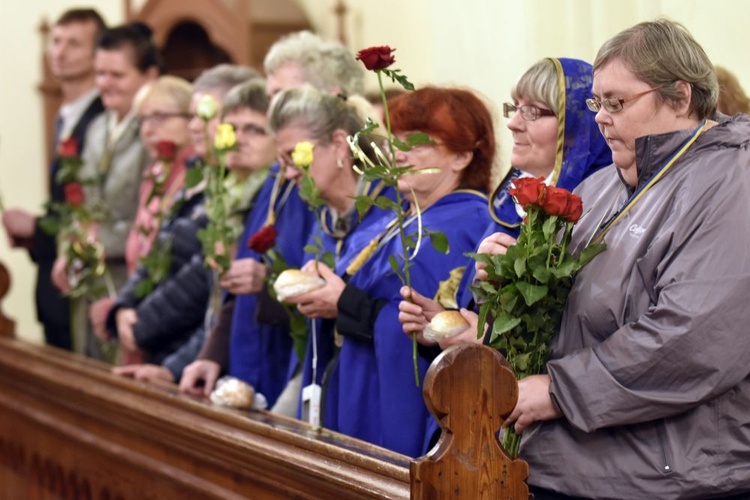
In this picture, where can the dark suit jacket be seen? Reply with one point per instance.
(53, 309)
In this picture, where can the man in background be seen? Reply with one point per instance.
(70, 56)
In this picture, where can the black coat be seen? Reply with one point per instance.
(170, 314)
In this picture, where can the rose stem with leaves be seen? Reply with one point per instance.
(399, 217)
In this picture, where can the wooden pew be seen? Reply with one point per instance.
(71, 430)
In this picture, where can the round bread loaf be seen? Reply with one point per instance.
(445, 325)
(233, 392)
(294, 282)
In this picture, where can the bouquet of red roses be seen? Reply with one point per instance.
(523, 299)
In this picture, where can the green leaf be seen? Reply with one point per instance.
(311, 249)
(193, 177)
(418, 139)
(439, 241)
(385, 203)
(328, 259)
(565, 269)
(370, 125)
(393, 261)
(399, 144)
(363, 204)
(519, 266)
(49, 225)
(531, 293)
(395, 77)
(143, 288)
(223, 261)
(588, 253)
(487, 287)
(504, 323)
(521, 362)
(484, 309)
(541, 274)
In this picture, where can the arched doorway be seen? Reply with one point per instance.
(188, 50)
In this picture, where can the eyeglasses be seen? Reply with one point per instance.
(615, 104)
(528, 112)
(158, 118)
(249, 129)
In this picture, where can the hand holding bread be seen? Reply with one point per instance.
(293, 282)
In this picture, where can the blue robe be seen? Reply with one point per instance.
(344, 249)
(373, 390)
(260, 353)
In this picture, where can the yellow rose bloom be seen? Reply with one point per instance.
(302, 156)
(224, 138)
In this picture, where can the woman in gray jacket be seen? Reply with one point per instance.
(647, 394)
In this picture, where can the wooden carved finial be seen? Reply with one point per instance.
(7, 325)
(470, 390)
(340, 11)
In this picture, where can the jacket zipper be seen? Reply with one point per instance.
(660, 428)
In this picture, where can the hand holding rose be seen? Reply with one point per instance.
(244, 277)
(494, 244)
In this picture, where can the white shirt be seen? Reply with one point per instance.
(72, 112)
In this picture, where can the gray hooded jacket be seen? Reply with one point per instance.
(651, 368)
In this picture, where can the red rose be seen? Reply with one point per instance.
(263, 240)
(554, 201)
(563, 203)
(527, 190)
(376, 57)
(166, 150)
(73, 193)
(68, 148)
(575, 209)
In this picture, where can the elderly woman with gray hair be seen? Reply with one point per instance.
(648, 389)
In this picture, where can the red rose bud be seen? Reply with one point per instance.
(263, 240)
(527, 190)
(376, 57)
(68, 148)
(166, 150)
(73, 193)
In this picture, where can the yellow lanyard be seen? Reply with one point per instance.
(630, 202)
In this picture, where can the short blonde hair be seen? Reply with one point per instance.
(172, 88)
(661, 53)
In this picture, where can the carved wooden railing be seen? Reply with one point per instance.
(7, 325)
(69, 429)
(470, 390)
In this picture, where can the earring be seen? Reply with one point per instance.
(340, 163)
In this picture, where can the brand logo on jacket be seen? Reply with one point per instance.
(636, 231)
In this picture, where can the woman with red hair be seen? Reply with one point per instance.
(369, 390)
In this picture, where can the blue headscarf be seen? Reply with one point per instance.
(581, 149)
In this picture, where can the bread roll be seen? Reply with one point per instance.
(445, 325)
(233, 392)
(294, 282)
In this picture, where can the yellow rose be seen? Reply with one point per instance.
(224, 138)
(207, 107)
(302, 156)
